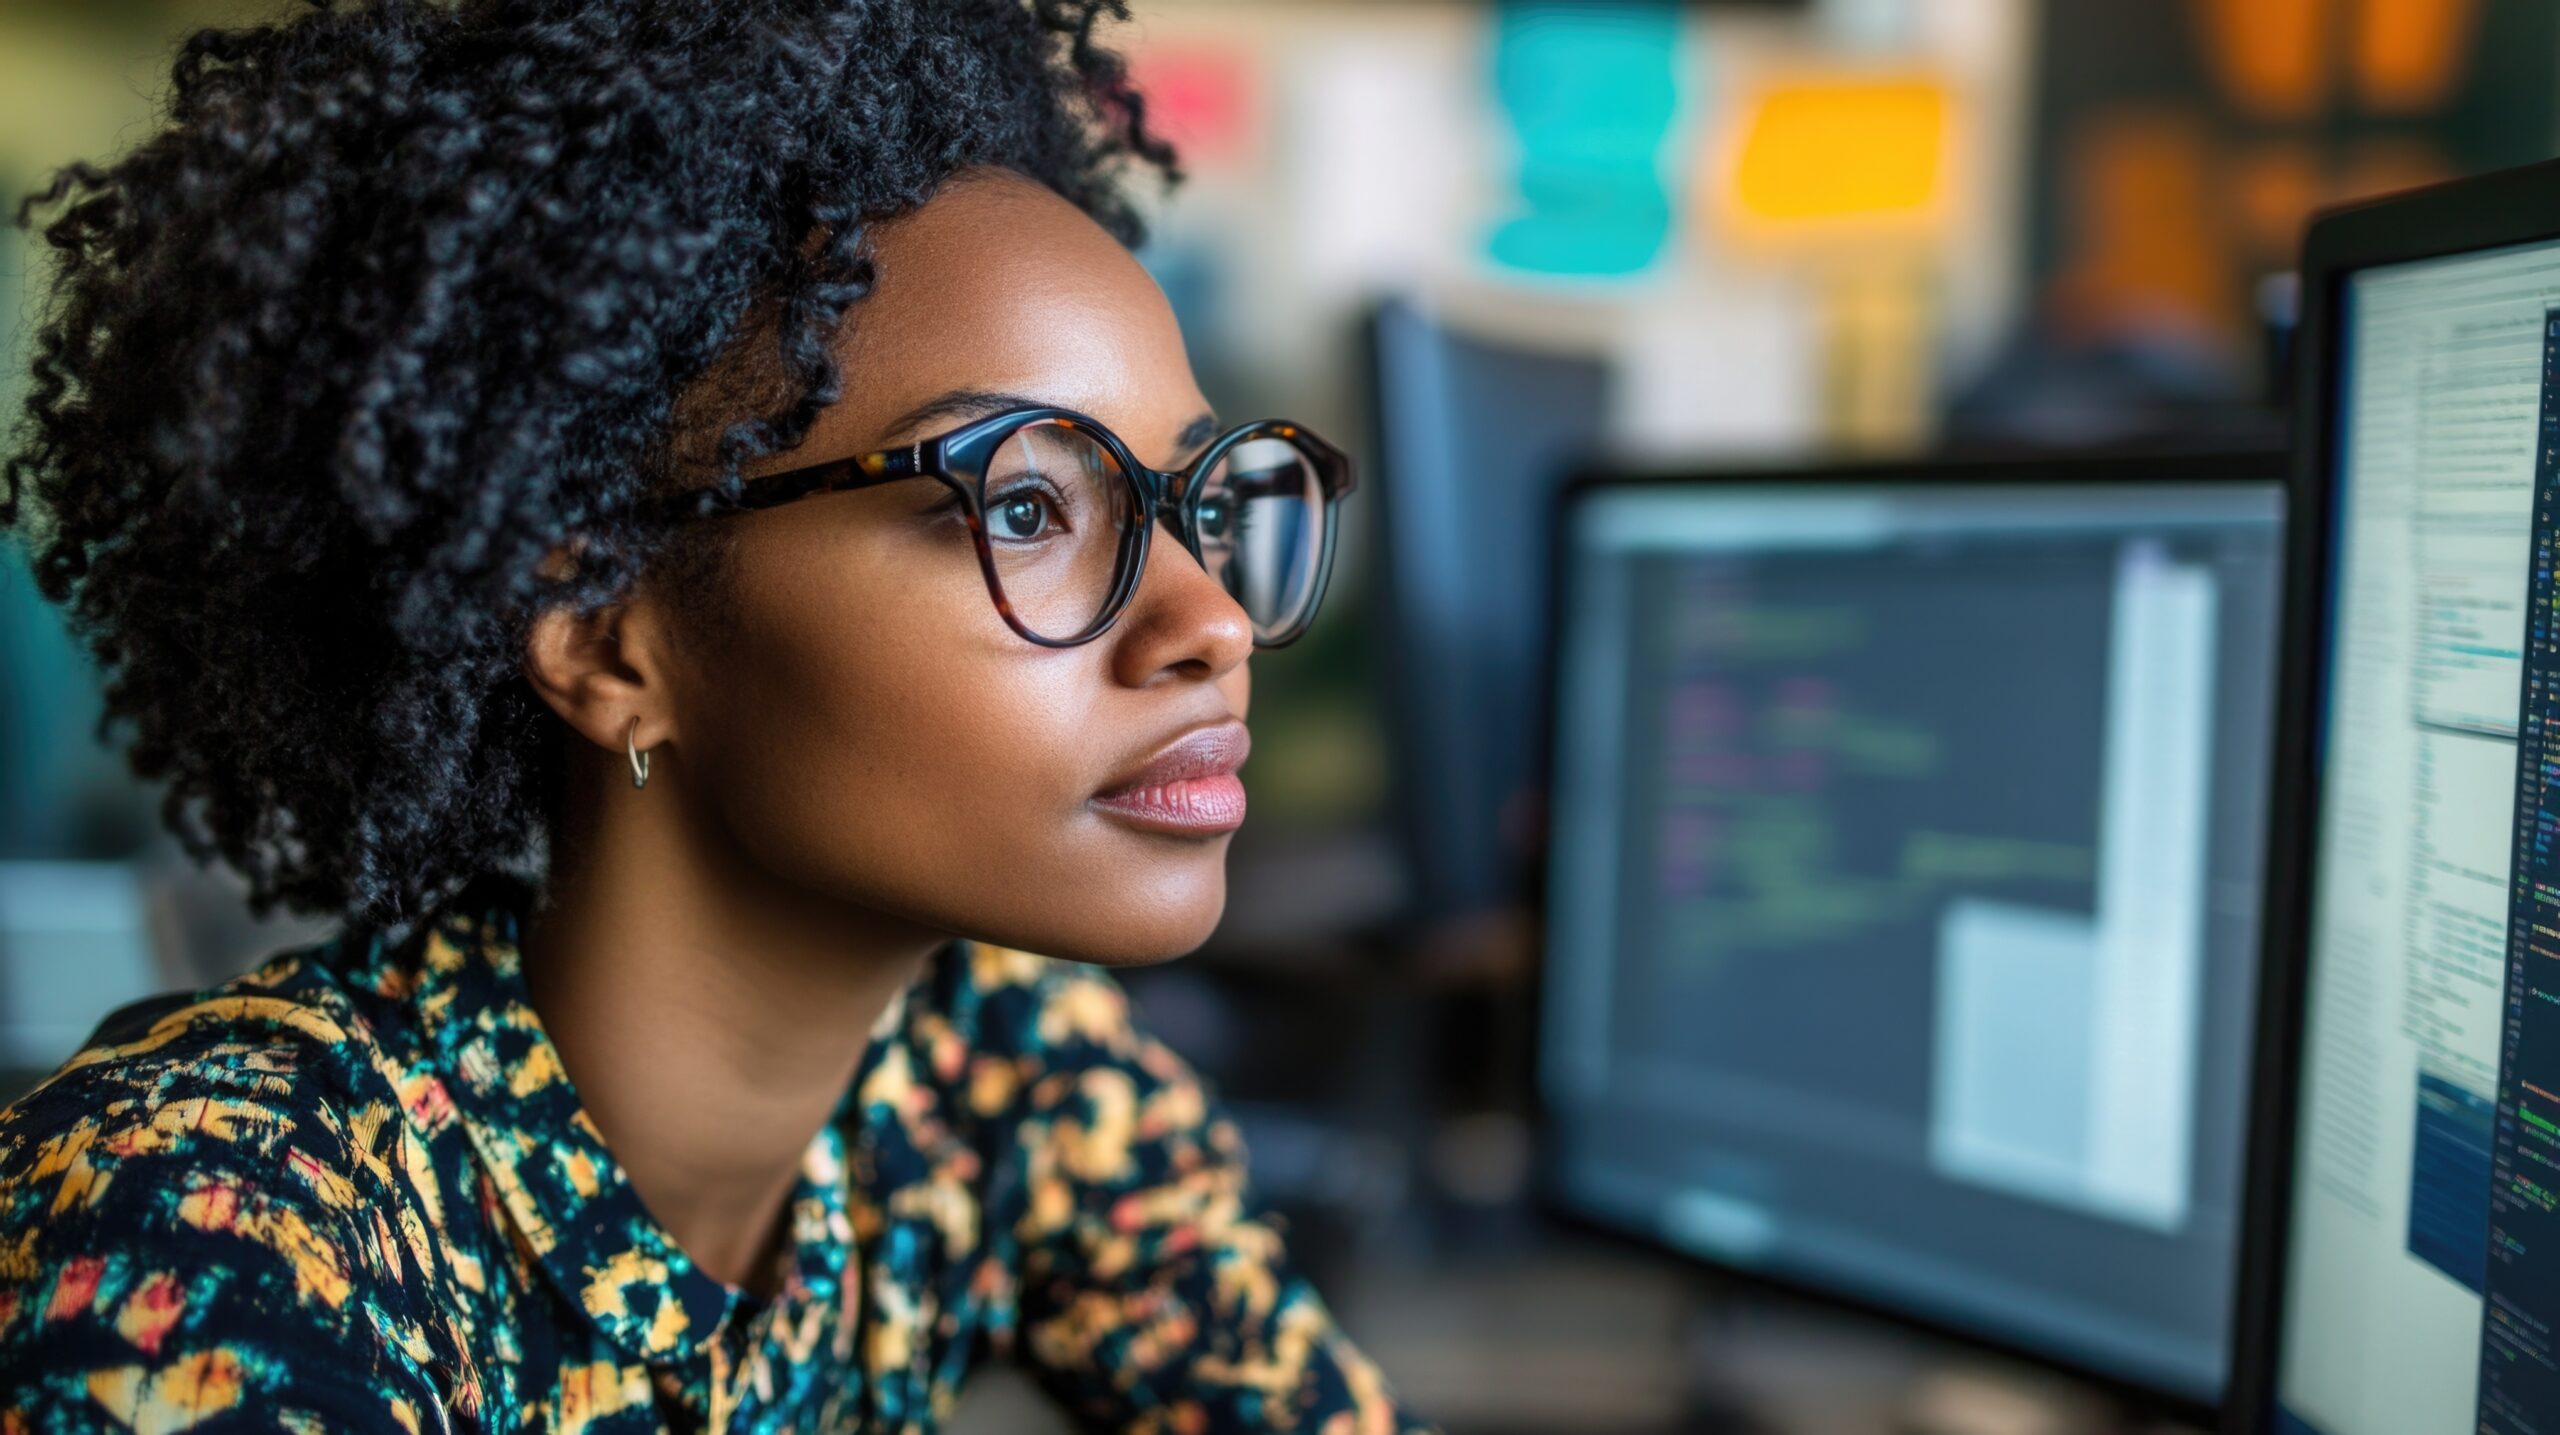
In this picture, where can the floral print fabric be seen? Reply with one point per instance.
(354, 1189)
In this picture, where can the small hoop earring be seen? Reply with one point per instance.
(639, 759)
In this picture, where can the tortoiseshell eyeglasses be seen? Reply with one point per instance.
(1061, 513)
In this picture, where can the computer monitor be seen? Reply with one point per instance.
(1476, 437)
(1902, 900)
(2406, 1193)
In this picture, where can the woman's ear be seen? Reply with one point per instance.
(600, 670)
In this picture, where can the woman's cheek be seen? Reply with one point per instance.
(899, 747)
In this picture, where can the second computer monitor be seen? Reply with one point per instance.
(1903, 890)
(2411, 1145)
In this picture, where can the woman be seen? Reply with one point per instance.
(689, 530)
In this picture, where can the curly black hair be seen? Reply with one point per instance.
(407, 295)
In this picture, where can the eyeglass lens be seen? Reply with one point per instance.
(1262, 530)
(1061, 521)
(1061, 515)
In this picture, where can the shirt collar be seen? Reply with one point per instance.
(568, 1196)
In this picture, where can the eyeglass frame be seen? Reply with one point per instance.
(958, 458)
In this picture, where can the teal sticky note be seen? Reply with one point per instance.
(1590, 90)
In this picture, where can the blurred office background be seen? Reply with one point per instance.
(1482, 242)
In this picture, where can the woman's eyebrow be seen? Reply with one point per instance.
(962, 404)
(965, 404)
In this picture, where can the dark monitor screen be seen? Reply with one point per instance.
(2421, 1265)
(1476, 437)
(1903, 891)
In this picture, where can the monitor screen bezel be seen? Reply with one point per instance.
(2159, 468)
(2511, 207)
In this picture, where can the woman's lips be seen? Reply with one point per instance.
(1193, 805)
(1188, 786)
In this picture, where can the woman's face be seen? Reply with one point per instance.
(867, 725)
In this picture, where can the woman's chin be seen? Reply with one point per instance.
(1140, 930)
(1163, 941)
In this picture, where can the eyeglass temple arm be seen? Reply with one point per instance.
(886, 464)
(861, 471)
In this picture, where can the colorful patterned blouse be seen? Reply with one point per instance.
(354, 1190)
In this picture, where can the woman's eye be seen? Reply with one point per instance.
(1214, 517)
(1021, 517)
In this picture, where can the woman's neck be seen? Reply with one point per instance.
(710, 1019)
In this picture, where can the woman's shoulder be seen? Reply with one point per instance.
(277, 1040)
(192, 1205)
(226, 1109)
